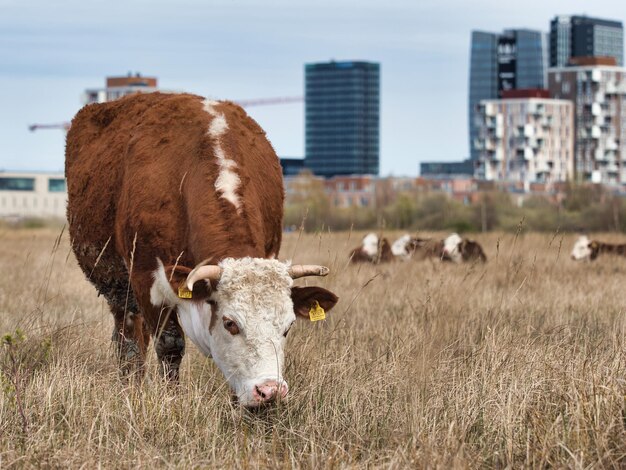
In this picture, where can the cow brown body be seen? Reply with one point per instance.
(141, 174)
(426, 248)
(607, 248)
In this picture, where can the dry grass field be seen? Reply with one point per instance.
(520, 362)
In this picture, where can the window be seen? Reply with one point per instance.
(17, 184)
(56, 185)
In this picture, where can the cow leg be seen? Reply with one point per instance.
(162, 321)
(131, 341)
(169, 343)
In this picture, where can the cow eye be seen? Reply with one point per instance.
(231, 326)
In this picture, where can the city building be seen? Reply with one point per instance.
(342, 118)
(598, 93)
(116, 87)
(32, 194)
(351, 191)
(582, 36)
(525, 139)
(513, 59)
(292, 166)
(447, 169)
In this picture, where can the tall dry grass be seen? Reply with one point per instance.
(520, 362)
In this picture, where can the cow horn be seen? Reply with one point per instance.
(203, 271)
(301, 270)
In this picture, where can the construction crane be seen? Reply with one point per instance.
(270, 101)
(62, 125)
(243, 103)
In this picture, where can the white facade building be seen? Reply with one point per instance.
(117, 87)
(527, 140)
(32, 194)
(599, 96)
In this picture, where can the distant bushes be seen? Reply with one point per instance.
(578, 208)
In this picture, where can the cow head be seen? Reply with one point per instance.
(402, 247)
(585, 249)
(452, 248)
(370, 245)
(239, 312)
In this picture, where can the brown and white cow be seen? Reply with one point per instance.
(589, 250)
(458, 249)
(175, 209)
(372, 250)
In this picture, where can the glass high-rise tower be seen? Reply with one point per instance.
(342, 109)
(582, 36)
(514, 59)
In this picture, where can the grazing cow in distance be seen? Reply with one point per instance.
(175, 207)
(589, 250)
(458, 249)
(372, 250)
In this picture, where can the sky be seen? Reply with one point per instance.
(50, 52)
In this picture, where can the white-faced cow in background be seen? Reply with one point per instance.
(458, 249)
(175, 210)
(402, 248)
(372, 250)
(588, 250)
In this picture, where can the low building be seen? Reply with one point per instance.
(32, 194)
(525, 140)
(116, 87)
(446, 169)
(351, 191)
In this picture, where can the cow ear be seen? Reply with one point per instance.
(593, 245)
(177, 276)
(304, 298)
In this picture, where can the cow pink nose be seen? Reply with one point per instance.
(269, 391)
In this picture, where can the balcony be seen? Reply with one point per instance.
(596, 132)
(611, 144)
(596, 75)
(596, 109)
(599, 155)
(529, 130)
(498, 155)
(529, 154)
(490, 109)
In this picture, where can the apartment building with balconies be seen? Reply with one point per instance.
(525, 139)
(598, 93)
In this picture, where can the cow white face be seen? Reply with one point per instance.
(370, 244)
(451, 247)
(400, 247)
(243, 323)
(582, 249)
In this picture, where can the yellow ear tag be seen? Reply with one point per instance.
(184, 293)
(317, 312)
